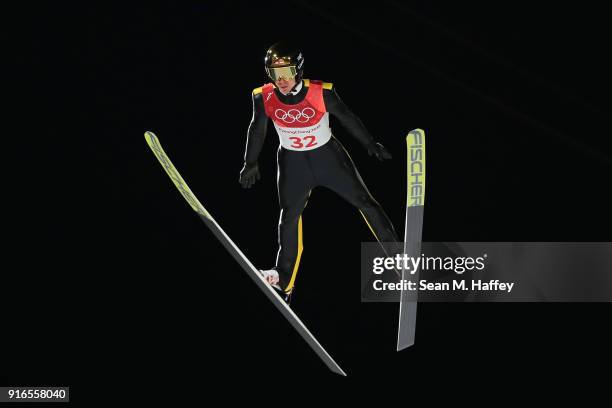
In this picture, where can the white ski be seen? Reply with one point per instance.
(415, 143)
(248, 267)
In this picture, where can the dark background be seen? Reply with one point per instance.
(514, 100)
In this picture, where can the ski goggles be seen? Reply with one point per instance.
(276, 73)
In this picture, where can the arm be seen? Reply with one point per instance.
(336, 107)
(256, 135)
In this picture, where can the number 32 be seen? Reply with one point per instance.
(298, 141)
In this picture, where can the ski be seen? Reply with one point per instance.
(237, 254)
(415, 143)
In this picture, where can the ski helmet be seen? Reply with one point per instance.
(284, 60)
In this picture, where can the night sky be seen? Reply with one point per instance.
(514, 99)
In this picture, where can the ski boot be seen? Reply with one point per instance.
(271, 276)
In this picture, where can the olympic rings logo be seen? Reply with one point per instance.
(294, 115)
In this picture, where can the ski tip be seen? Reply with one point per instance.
(149, 134)
(413, 131)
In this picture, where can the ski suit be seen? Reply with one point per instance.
(309, 156)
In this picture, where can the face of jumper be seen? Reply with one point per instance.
(283, 83)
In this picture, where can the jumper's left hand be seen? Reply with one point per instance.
(379, 151)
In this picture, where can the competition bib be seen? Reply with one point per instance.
(303, 126)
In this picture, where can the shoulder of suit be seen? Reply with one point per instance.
(326, 85)
(259, 90)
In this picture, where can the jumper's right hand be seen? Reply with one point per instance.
(249, 174)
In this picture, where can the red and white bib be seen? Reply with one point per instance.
(303, 126)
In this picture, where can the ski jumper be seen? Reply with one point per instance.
(310, 156)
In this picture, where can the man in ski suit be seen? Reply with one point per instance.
(308, 155)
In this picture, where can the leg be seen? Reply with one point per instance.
(338, 173)
(294, 185)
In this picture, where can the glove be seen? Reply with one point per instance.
(379, 151)
(249, 174)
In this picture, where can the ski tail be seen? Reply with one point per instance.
(413, 232)
(237, 254)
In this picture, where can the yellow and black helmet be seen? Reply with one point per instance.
(284, 60)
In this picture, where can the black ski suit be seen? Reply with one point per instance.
(300, 171)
